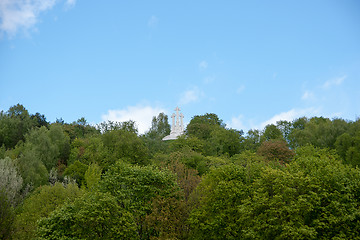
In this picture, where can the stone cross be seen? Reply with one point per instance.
(177, 127)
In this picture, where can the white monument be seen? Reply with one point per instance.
(177, 127)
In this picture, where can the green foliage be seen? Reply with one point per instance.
(6, 216)
(32, 170)
(252, 140)
(348, 144)
(91, 150)
(271, 132)
(134, 188)
(79, 129)
(14, 124)
(153, 138)
(223, 142)
(221, 194)
(94, 216)
(201, 126)
(77, 172)
(92, 176)
(314, 197)
(160, 127)
(129, 126)
(318, 131)
(50, 146)
(40, 204)
(126, 145)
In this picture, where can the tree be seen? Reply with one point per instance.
(314, 197)
(108, 126)
(6, 216)
(77, 172)
(92, 176)
(40, 120)
(14, 124)
(221, 195)
(32, 170)
(160, 127)
(318, 131)
(271, 132)
(96, 215)
(276, 150)
(122, 144)
(10, 180)
(201, 126)
(134, 187)
(224, 142)
(41, 203)
(348, 144)
(252, 140)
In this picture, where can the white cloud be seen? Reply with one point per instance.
(209, 79)
(308, 95)
(153, 21)
(203, 65)
(191, 95)
(141, 114)
(334, 82)
(290, 115)
(70, 3)
(236, 123)
(23, 14)
(240, 89)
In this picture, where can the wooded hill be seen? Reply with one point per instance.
(291, 180)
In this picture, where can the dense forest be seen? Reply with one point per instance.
(290, 180)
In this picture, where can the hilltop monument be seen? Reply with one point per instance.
(177, 127)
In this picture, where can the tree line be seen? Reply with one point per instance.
(290, 180)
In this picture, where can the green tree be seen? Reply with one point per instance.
(201, 126)
(348, 144)
(14, 124)
(125, 145)
(92, 176)
(40, 204)
(32, 170)
(160, 127)
(77, 172)
(224, 142)
(271, 132)
(94, 216)
(135, 187)
(221, 195)
(314, 197)
(6, 216)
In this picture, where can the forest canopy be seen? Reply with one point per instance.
(295, 179)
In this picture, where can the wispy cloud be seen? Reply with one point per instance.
(70, 3)
(334, 82)
(191, 95)
(153, 21)
(290, 115)
(141, 114)
(203, 65)
(18, 15)
(236, 123)
(240, 89)
(308, 95)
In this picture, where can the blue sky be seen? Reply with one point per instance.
(250, 62)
